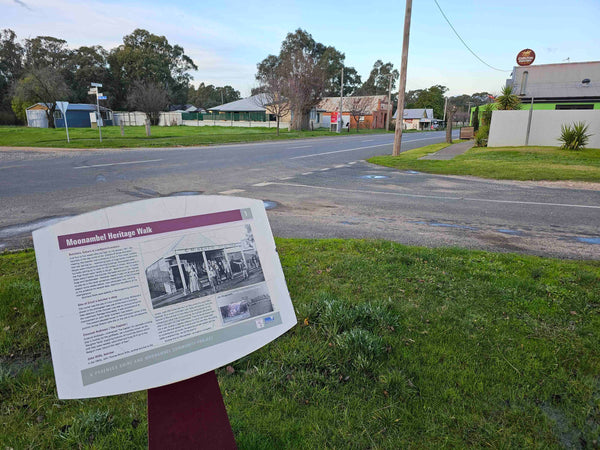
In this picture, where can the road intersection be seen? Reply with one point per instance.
(319, 188)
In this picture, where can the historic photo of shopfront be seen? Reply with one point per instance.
(198, 265)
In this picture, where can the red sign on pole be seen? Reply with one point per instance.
(334, 117)
(525, 57)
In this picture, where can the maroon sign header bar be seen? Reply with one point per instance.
(148, 228)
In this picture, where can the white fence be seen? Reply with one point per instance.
(138, 118)
(234, 123)
(509, 128)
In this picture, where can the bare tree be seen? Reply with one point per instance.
(148, 97)
(44, 85)
(358, 107)
(271, 96)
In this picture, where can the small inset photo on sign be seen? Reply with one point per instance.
(198, 265)
(244, 304)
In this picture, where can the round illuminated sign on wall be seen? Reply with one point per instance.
(525, 57)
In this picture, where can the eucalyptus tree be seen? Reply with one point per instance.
(146, 57)
(379, 79)
(306, 71)
(11, 65)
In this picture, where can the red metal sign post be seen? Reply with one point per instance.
(189, 414)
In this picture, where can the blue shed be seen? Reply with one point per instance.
(78, 116)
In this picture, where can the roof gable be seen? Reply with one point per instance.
(250, 104)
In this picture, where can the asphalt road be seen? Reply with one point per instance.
(320, 188)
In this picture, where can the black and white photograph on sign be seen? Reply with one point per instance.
(244, 304)
(201, 264)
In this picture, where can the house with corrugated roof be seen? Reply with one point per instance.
(79, 115)
(369, 111)
(418, 119)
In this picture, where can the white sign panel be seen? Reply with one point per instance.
(153, 292)
(62, 106)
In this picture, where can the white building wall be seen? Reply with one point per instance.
(509, 128)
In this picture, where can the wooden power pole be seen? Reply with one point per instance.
(402, 88)
(389, 106)
(339, 127)
(451, 112)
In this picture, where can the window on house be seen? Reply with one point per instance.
(575, 106)
(58, 115)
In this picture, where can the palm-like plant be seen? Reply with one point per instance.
(574, 137)
(508, 100)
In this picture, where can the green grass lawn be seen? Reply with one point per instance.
(396, 347)
(509, 163)
(160, 136)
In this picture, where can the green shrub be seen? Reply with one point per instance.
(486, 116)
(481, 137)
(476, 119)
(8, 118)
(19, 107)
(574, 137)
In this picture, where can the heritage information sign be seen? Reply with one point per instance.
(149, 293)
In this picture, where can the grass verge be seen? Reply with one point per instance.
(160, 136)
(396, 347)
(505, 163)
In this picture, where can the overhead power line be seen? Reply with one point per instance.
(464, 43)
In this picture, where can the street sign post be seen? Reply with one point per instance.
(63, 106)
(94, 90)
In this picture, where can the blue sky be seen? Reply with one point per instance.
(227, 38)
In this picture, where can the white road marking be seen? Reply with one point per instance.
(359, 148)
(338, 151)
(439, 197)
(285, 178)
(264, 183)
(323, 170)
(306, 173)
(11, 167)
(353, 162)
(232, 191)
(117, 164)
(301, 146)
